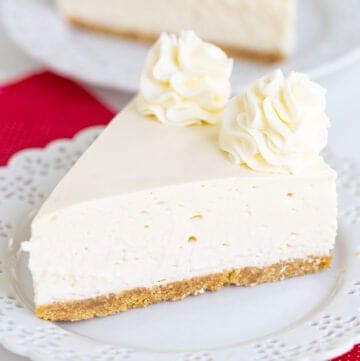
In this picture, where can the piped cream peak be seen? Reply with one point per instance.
(278, 125)
(185, 80)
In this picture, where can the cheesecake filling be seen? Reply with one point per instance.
(174, 233)
(152, 203)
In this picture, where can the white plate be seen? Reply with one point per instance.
(308, 318)
(327, 30)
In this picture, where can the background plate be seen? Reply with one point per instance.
(327, 38)
(314, 317)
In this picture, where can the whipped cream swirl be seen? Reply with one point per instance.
(279, 125)
(185, 80)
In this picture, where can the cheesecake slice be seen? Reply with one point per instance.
(156, 210)
(260, 29)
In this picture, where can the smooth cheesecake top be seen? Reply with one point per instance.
(134, 154)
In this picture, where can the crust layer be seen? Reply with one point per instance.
(142, 297)
(265, 57)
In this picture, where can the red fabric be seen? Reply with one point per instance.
(353, 355)
(44, 107)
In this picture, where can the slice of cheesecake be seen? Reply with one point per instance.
(259, 29)
(155, 211)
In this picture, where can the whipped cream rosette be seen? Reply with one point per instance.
(185, 80)
(279, 125)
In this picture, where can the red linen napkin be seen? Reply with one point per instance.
(44, 107)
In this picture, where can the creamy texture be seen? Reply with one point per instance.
(257, 25)
(123, 215)
(278, 125)
(142, 239)
(185, 80)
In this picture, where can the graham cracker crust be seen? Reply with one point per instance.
(142, 297)
(264, 57)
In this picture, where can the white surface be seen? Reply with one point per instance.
(343, 109)
(313, 317)
(156, 178)
(325, 43)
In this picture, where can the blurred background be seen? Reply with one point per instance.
(36, 35)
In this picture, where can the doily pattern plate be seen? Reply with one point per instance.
(330, 329)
